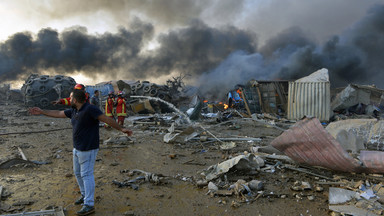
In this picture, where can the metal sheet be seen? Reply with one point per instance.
(308, 142)
(309, 99)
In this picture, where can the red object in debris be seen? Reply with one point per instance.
(308, 142)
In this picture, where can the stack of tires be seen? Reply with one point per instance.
(146, 88)
(41, 90)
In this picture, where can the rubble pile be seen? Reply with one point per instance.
(318, 151)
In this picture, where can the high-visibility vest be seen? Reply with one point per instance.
(67, 101)
(109, 106)
(121, 107)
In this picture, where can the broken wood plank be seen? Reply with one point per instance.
(22, 154)
(245, 102)
(260, 99)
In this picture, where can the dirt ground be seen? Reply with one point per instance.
(37, 187)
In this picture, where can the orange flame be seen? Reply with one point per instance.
(225, 106)
(205, 101)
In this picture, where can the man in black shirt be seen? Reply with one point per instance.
(95, 99)
(85, 122)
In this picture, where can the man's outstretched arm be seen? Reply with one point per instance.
(50, 113)
(111, 122)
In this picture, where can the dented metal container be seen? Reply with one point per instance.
(267, 96)
(309, 99)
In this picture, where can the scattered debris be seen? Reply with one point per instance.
(53, 212)
(299, 141)
(22, 154)
(339, 195)
(16, 162)
(350, 210)
(156, 179)
(300, 164)
(358, 99)
(119, 140)
(241, 162)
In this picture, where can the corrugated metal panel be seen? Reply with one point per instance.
(309, 99)
(308, 142)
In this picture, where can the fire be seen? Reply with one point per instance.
(224, 105)
(205, 101)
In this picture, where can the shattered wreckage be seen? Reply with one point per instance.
(283, 142)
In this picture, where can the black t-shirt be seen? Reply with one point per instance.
(85, 126)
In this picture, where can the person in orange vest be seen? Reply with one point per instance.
(121, 106)
(109, 104)
(67, 101)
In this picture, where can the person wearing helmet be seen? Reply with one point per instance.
(121, 111)
(109, 104)
(67, 101)
(79, 86)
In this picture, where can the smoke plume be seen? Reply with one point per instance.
(355, 56)
(216, 56)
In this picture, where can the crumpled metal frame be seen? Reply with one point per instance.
(309, 143)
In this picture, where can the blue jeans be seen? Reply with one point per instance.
(83, 163)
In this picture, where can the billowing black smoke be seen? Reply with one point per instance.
(352, 57)
(216, 58)
(72, 50)
(193, 49)
(355, 56)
